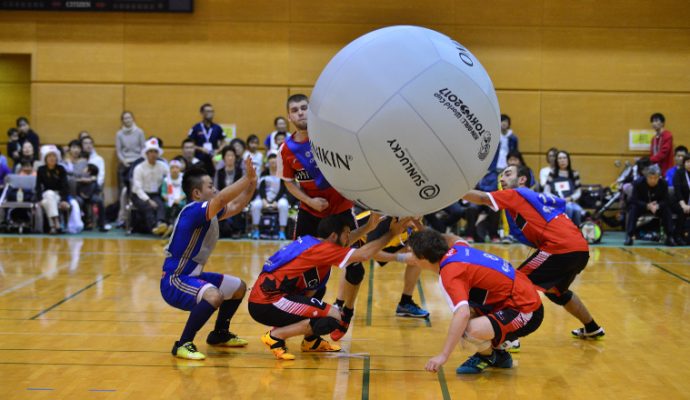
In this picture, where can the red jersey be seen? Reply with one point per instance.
(556, 237)
(290, 168)
(483, 281)
(306, 272)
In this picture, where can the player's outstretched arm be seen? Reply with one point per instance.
(236, 206)
(370, 249)
(458, 324)
(372, 222)
(229, 193)
(477, 197)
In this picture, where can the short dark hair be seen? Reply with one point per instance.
(280, 134)
(92, 169)
(332, 224)
(275, 121)
(12, 131)
(26, 162)
(74, 142)
(188, 140)
(192, 179)
(505, 117)
(86, 137)
(201, 109)
(516, 154)
(523, 170)
(226, 149)
(22, 119)
(251, 138)
(296, 98)
(238, 140)
(658, 116)
(271, 155)
(428, 244)
(680, 148)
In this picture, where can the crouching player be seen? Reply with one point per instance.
(184, 285)
(507, 303)
(288, 293)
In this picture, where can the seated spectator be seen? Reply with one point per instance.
(87, 147)
(74, 161)
(129, 142)
(272, 195)
(564, 182)
(229, 173)
(28, 152)
(14, 147)
(679, 154)
(89, 194)
(550, 167)
(650, 195)
(681, 199)
(188, 151)
(147, 179)
(515, 158)
(453, 213)
(52, 189)
(482, 221)
(256, 155)
(172, 193)
(240, 147)
(279, 139)
(507, 142)
(281, 125)
(26, 134)
(26, 167)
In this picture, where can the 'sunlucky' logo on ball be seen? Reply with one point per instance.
(428, 192)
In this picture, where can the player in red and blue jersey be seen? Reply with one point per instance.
(538, 220)
(506, 303)
(184, 284)
(286, 293)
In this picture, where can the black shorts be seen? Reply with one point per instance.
(511, 324)
(308, 224)
(288, 310)
(554, 271)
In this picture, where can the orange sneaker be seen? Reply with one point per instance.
(319, 345)
(277, 347)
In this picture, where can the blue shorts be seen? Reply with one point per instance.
(183, 291)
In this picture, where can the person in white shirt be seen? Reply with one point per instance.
(93, 158)
(550, 166)
(253, 152)
(507, 142)
(272, 194)
(147, 180)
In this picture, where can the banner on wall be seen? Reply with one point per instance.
(640, 139)
(230, 131)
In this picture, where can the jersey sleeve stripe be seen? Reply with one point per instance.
(493, 205)
(346, 260)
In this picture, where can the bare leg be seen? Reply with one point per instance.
(480, 329)
(577, 308)
(412, 274)
(299, 328)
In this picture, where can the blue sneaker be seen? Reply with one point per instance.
(474, 365)
(501, 359)
(255, 235)
(281, 236)
(411, 311)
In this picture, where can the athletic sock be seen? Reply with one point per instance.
(406, 299)
(311, 338)
(197, 318)
(281, 342)
(339, 303)
(225, 313)
(347, 314)
(591, 327)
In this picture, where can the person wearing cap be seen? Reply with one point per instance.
(650, 195)
(52, 188)
(147, 180)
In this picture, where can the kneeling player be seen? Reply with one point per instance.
(184, 285)
(287, 294)
(507, 301)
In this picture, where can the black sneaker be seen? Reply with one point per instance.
(225, 339)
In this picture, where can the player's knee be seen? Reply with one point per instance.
(213, 297)
(355, 274)
(323, 326)
(561, 300)
(335, 313)
(240, 292)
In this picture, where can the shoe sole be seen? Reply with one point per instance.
(408, 315)
(227, 345)
(289, 358)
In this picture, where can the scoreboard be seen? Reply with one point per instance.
(182, 6)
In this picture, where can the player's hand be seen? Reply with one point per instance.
(374, 219)
(398, 225)
(318, 203)
(686, 209)
(418, 224)
(249, 168)
(435, 363)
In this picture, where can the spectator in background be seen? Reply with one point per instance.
(74, 162)
(14, 147)
(281, 125)
(27, 134)
(28, 153)
(90, 194)
(173, 195)
(147, 180)
(650, 195)
(256, 155)
(207, 136)
(272, 195)
(482, 221)
(564, 182)
(279, 139)
(4, 171)
(230, 173)
(93, 158)
(52, 189)
(661, 150)
(507, 142)
(129, 142)
(549, 168)
(515, 158)
(681, 199)
(453, 213)
(240, 148)
(188, 151)
(678, 155)
(25, 167)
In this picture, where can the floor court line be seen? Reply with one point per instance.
(681, 277)
(71, 296)
(442, 382)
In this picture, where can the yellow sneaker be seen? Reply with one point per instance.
(160, 229)
(187, 351)
(225, 339)
(277, 347)
(319, 345)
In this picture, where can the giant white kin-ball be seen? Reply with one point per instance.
(404, 120)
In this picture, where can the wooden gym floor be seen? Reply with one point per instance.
(83, 319)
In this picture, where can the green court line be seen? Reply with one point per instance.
(623, 249)
(444, 386)
(681, 277)
(668, 253)
(365, 378)
(422, 300)
(71, 296)
(371, 291)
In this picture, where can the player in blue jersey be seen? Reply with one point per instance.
(184, 285)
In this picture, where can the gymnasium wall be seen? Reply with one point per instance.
(575, 75)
